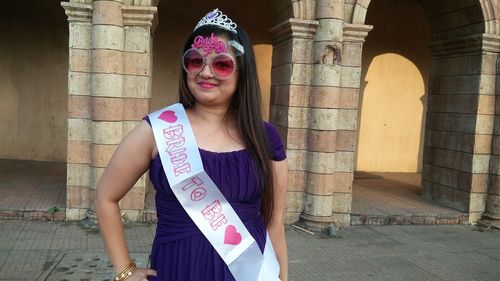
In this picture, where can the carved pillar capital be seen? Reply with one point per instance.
(145, 3)
(141, 13)
(294, 28)
(491, 43)
(356, 32)
(141, 16)
(89, 2)
(77, 12)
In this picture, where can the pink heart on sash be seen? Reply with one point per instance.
(232, 236)
(168, 116)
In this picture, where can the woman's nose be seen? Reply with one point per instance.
(205, 72)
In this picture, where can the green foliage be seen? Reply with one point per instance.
(53, 210)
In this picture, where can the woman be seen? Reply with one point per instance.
(243, 155)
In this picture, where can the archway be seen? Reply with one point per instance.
(33, 109)
(456, 151)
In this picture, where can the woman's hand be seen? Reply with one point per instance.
(141, 274)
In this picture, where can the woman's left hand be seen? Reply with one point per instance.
(141, 274)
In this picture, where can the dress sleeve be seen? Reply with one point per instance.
(147, 119)
(275, 144)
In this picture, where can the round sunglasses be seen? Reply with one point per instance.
(222, 66)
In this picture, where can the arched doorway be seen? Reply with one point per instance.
(394, 81)
(455, 149)
(33, 109)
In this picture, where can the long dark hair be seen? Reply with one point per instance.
(245, 106)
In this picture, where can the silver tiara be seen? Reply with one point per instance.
(216, 17)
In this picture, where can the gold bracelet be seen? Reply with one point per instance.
(127, 267)
(125, 273)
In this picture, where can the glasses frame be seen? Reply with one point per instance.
(233, 60)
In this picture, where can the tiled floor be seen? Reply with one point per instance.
(394, 198)
(30, 188)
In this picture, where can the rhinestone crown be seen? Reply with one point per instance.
(216, 17)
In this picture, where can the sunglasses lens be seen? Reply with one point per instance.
(222, 66)
(193, 61)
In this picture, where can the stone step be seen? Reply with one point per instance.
(44, 215)
(427, 219)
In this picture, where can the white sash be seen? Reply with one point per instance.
(204, 202)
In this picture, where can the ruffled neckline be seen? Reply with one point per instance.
(215, 153)
(239, 151)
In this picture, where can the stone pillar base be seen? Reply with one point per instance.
(316, 223)
(490, 220)
(76, 214)
(491, 216)
(340, 219)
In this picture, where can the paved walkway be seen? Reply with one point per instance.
(57, 251)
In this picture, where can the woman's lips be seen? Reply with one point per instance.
(207, 85)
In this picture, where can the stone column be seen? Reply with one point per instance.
(347, 124)
(493, 198)
(323, 115)
(140, 22)
(110, 75)
(332, 117)
(79, 109)
(459, 126)
(289, 110)
(108, 41)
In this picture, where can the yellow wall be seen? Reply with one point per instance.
(393, 86)
(391, 116)
(263, 55)
(177, 20)
(33, 80)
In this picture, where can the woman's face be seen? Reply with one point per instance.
(215, 84)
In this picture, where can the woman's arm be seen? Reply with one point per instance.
(276, 226)
(130, 160)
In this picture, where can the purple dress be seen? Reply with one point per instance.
(180, 251)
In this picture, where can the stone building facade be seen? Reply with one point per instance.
(314, 83)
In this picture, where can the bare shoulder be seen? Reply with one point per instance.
(141, 139)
